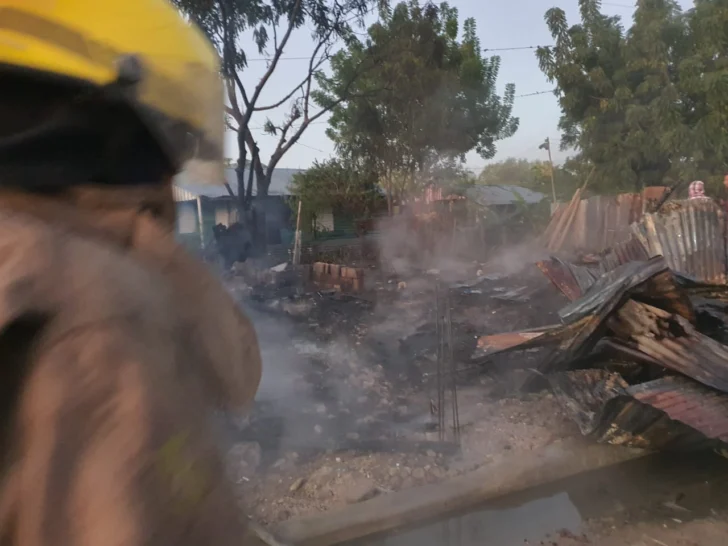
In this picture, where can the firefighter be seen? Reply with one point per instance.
(114, 342)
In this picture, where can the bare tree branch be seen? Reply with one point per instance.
(243, 93)
(234, 109)
(247, 139)
(311, 72)
(284, 99)
(274, 62)
(315, 62)
(345, 94)
(275, 36)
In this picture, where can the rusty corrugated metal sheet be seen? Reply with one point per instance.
(702, 409)
(651, 196)
(589, 319)
(552, 337)
(573, 280)
(508, 340)
(630, 250)
(602, 221)
(690, 235)
(585, 320)
(651, 279)
(670, 413)
(674, 342)
(597, 223)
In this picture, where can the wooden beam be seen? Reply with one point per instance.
(297, 242)
(431, 502)
(201, 222)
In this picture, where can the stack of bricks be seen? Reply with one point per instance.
(345, 279)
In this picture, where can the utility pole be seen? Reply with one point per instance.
(547, 146)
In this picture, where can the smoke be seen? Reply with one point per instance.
(323, 384)
(514, 259)
(412, 244)
(315, 393)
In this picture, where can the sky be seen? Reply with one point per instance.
(501, 25)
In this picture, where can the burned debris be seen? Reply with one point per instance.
(397, 376)
(639, 358)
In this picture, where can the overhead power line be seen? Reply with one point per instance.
(534, 94)
(516, 48)
(261, 128)
(486, 50)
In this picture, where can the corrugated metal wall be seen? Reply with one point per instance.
(691, 235)
(597, 223)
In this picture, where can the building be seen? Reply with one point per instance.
(503, 195)
(200, 207)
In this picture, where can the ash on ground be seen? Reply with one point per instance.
(348, 405)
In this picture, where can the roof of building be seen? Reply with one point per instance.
(487, 195)
(186, 189)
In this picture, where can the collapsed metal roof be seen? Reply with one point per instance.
(670, 413)
(664, 331)
(641, 355)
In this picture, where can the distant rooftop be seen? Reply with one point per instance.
(487, 195)
(186, 189)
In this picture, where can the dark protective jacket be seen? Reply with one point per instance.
(114, 343)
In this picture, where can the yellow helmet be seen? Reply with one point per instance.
(144, 51)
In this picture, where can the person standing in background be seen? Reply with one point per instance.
(697, 190)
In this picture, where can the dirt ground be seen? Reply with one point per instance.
(703, 532)
(491, 430)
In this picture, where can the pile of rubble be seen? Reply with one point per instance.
(640, 357)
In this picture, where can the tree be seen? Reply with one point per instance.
(534, 175)
(271, 24)
(620, 92)
(704, 88)
(427, 96)
(335, 185)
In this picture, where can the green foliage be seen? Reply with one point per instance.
(534, 175)
(336, 186)
(448, 174)
(226, 21)
(428, 95)
(647, 105)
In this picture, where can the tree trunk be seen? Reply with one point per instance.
(264, 183)
(240, 172)
(389, 195)
(249, 188)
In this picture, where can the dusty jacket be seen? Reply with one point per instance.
(114, 345)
